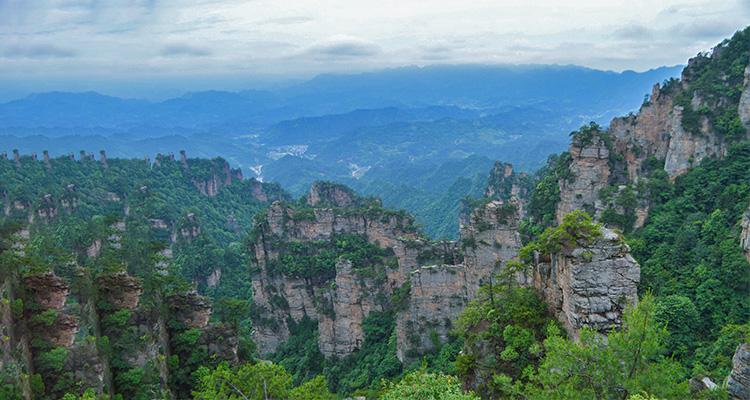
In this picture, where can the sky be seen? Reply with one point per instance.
(89, 44)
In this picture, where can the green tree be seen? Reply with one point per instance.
(624, 363)
(503, 330)
(422, 385)
(261, 381)
(314, 389)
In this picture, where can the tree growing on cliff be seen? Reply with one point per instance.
(502, 331)
(626, 362)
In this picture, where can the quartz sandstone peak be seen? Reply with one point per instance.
(589, 285)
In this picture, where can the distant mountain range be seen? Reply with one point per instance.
(384, 133)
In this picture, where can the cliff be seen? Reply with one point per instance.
(302, 268)
(333, 291)
(97, 338)
(588, 284)
(738, 382)
(433, 280)
(681, 123)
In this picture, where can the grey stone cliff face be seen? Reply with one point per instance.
(738, 383)
(344, 308)
(438, 295)
(744, 107)
(589, 285)
(351, 301)
(442, 281)
(745, 233)
(590, 174)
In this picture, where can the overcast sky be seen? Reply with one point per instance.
(71, 40)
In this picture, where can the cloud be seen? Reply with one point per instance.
(633, 31)
(344, 47)
(38, 51)
(703, 29)
(184, 50)
(287, 20)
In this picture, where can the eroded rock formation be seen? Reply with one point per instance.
(434, 280)
(738, 383)
(589, 285)
(590, 174)
(674, 130)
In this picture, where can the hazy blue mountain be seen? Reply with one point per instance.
(400, 134)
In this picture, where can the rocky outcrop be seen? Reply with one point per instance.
(190, 309)
(687, 149)
(220, 175)
(744, 107)
(589, 174)
(504, 183)
(432, 281)
(330, 194)
(745, 233)
(676, 128)
(47, 290)
(589, 285)
(438, 294)
(119, 290)
(340, 312)
(489, 238)
(351, 300)
(738, 383)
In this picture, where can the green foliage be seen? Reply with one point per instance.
(314, 389)
(300, 354)
(52, 361)
(250, 381)
(373, 361)
(117, 321)
(627, 362)
(260, 381)
(691, 261)
(502, 331)
(585, 135)
(316, 260)
(422, 385)
(89, 394)
(576, 230)
(718, 81)
(543, 203)
(10, 384)
(45, 318)
(679, 315)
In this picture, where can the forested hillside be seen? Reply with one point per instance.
(620, 270)
(103, 263)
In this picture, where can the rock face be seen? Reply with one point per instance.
(434, 281)
(351, 300)
(191, 309)
(589, 285)
(504, 183)
(339, 311)
(49, 318)
(738, 383)
(744, 107)
(331, 194)
(590, 174)
(673, 131)
(745, 234)
(438, 295)
(489, 238)
(120, 290)
(49, 291)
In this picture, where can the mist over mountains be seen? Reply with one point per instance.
(384, 133)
